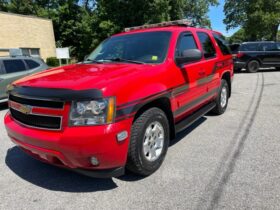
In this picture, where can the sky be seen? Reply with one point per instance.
(216, 15)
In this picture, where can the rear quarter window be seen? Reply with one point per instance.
(32, 64)
(222, 43)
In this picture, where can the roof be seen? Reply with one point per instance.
(26, 16)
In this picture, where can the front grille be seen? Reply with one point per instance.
(37, 102)
(37, 121)
(21, 109)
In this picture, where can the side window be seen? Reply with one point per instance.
(31, 64)
(12, 66)
(249, 47)
(186, 42)
(207, 45)
(278, 46)
(269, 47)
(222, 44)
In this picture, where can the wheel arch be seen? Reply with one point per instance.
(227, 77)
(164, 104)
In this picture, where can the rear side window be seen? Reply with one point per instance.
(12, 66)
(207, 45)
(186, 42)
(32, 64)
(222, 43)
(269, 47)
(278, 46)
(249, 47)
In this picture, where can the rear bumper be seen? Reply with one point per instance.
(73, 147)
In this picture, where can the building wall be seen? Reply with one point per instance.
(20, 31)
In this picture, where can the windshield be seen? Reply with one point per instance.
(148, 47)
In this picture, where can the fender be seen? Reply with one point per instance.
(130, 108)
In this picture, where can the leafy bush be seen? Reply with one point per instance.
(52, 62)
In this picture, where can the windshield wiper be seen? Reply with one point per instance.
(93, 61)
(121, 60)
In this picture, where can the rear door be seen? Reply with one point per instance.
(13, 69)
(209, 77)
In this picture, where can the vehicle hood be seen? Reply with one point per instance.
(83, 76)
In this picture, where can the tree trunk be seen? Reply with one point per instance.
(274, 33)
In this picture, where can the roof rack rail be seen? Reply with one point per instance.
(183, 22)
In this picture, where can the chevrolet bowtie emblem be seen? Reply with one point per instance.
(25, 109)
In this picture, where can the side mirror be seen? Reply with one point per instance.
(86, 57)
(189, 56)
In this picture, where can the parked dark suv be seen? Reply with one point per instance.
(253, 55)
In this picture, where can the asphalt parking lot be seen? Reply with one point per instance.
(226, 162)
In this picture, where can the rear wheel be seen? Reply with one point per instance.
(149, 142)
(253, 66)
(222, 99)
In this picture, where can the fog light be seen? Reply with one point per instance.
(94, 161)
(122, 136)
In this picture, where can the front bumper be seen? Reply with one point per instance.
(73, 147)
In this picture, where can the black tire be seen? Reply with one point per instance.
(253, 66)
(278, 68)
(219, 109)
(137, 162)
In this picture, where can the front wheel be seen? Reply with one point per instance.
(253, 66)
(222, 99)
(149, 142)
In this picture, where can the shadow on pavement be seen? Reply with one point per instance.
(262, 70)
(53, 178)
(187, 131)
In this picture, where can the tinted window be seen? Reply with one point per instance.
(148, 47)
(32, 64)
(222, 44)
(249, 47)
(207, 45)
(269, 47)
(186, 42)
(12, 66)
(278, 46)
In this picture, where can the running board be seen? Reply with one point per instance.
(194, 117)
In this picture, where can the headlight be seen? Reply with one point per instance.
(95, 112)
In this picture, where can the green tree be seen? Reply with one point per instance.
(259, 18)
(238, 37)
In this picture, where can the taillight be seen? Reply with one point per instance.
(240, 55)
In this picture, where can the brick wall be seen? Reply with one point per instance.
(19, 31)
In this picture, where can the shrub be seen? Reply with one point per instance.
(52, 62)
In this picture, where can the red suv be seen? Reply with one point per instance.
(120, 107)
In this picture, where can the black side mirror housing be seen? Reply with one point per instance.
(86, 57)
(189, 56)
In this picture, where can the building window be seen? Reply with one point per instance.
(33, 52)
